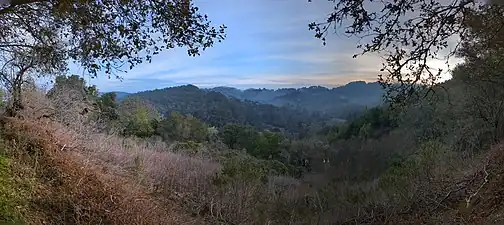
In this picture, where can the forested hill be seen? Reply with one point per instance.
(218, 110)
(339, 101)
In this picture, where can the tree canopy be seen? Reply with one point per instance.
(40, 37)
(407, 33)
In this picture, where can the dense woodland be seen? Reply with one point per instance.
(292, 111)
(431, 153)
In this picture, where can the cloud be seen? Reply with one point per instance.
(268, 45)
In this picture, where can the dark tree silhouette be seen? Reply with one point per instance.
(407, 33)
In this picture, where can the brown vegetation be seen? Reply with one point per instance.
(69, 191)
(86, 177)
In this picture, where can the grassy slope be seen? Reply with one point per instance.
(40, 184)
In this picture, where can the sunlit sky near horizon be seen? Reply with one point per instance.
(268, 45)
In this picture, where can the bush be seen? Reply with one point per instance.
(240, 166)
(14, 192)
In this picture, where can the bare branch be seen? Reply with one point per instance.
(485, 181)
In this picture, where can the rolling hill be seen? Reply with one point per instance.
(217, 109)
(288, 109)
(339, 101)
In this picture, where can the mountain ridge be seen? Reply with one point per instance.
(356, 94)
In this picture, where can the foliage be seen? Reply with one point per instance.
(218, 110)
(140, 124)
(337, 102)
(13, 194)
(6, 209)
(103, 39)
(239, 166)
(406, 33)
(108, 106)
(402, 173)
(73, 83)
(263, 145)
(72, 101)
(2, 100)
(138, 117)
(372, 123)
(182, 128)
(39, 37)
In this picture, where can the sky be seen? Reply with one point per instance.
(268, 45)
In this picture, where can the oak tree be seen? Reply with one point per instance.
(406, 33)
(40, 37)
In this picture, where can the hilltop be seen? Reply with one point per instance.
(339, 101)
(353, 96)
(289, 109)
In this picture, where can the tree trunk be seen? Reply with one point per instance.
(17, 103)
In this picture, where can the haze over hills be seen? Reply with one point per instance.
(288, 109)
(218, 110)
(348, 98)
(340, 100)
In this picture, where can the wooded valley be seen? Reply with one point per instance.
(407, 149)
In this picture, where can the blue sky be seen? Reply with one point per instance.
(268, 45)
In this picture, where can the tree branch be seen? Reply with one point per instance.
(14, 3)
(468, 199)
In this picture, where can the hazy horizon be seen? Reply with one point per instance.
(242, 88)
(268, 45)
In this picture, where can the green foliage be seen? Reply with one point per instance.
(263, 145)
(2, 100)
(13, 196)
(409, 172)
(140, 124)
(371, 123)
(238, 136)
(182, 128)
(268, 146)
(127, 107)
(239, 166)
(337, 102)
(118, 36)
(137, 117)
(218, 110)
(108, 106)
(127, 34)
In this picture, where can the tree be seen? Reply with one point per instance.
(39, 37)
(482, 72)
(128, 106)
(108, 106)
(268, 146)
(72, 99)
(140, 124)
(239, 137)
(138, 117)
(406, 32)
(182, 128)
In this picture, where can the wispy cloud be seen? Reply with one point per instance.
(268, 45)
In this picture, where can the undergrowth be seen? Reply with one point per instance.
(15, 189)
(64, 189)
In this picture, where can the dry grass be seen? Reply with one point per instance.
(71, 192)
(120, 170)
(88, 177)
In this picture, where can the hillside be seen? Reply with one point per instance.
(287, 109)
(218, 110)
(339, 101)
(432, 153)
(120, 95)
